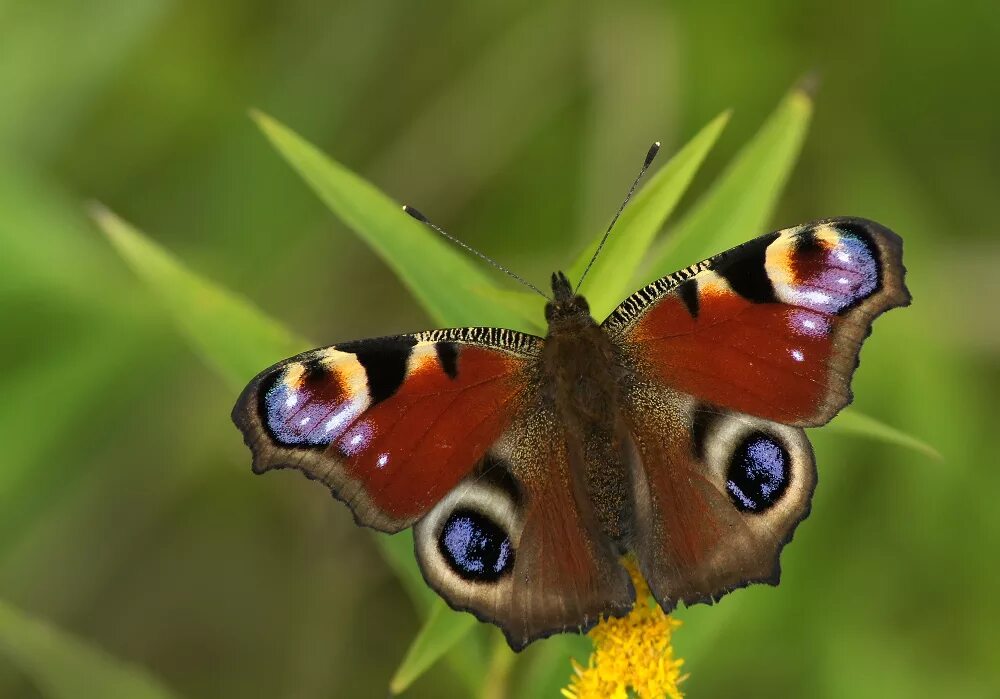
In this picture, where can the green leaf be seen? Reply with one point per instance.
(524, 305)
(238, 340)
(740, 203)
(610, 279)
(64, 667)
(442, 630)
(235, 338)
(440, 276)
(854, 422)
(397, 550)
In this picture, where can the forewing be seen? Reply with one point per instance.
(392, 424)
(717, 493)
(513, 545)
(771, 328)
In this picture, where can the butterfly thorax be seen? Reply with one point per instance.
(582, 370)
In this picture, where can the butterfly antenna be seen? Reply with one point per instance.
(650, 154)
(423, 219)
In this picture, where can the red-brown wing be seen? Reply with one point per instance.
(717, 493)
(773, 327)
(516, 545)
(390, 425)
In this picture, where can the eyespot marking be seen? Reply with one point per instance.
(475, 547)
(758, 473)
(309, 404)
(824, 268)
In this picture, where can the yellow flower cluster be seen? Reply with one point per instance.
(633, 655)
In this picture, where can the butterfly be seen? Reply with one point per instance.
(672, 431)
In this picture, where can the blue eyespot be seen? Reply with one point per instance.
(475, 547)
(758, 473)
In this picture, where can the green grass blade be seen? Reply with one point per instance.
(740, 203)
(64, 667)
(238, 340)
(852, 421)
(527, 306)
(397, 550)
(440, 633)
(610, 279)
(437, 273)
(229, 333)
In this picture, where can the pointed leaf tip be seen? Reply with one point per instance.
(855, 422)
(809, 84)
(740, 203)
(230, 333)
(438, 275)
(611, 276)
(443, 629)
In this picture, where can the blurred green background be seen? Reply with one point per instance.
(128, 516)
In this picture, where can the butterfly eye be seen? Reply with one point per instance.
(758, 473)
(475, 547)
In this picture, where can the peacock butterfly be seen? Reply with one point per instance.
(527, 466)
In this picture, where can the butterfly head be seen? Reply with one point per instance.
(566, 307)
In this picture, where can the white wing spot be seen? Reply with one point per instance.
(814, 296)
(338, 419)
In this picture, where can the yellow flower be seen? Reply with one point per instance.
(631, 654)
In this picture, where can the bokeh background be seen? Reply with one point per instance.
(128, 516)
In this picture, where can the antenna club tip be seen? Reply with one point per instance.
(410, 211)
(653, 150)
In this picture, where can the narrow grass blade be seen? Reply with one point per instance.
(526, 306)
(435, 271)
(740, 203)
(610, 279)
(64, 667)
(235, 338)
(238, 340)
(854, 422)
(397, 550)
(442, 631)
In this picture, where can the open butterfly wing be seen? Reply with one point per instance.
(390, 425)
(728, 360)
(771, 328)
(718, 495)
(512, 544)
